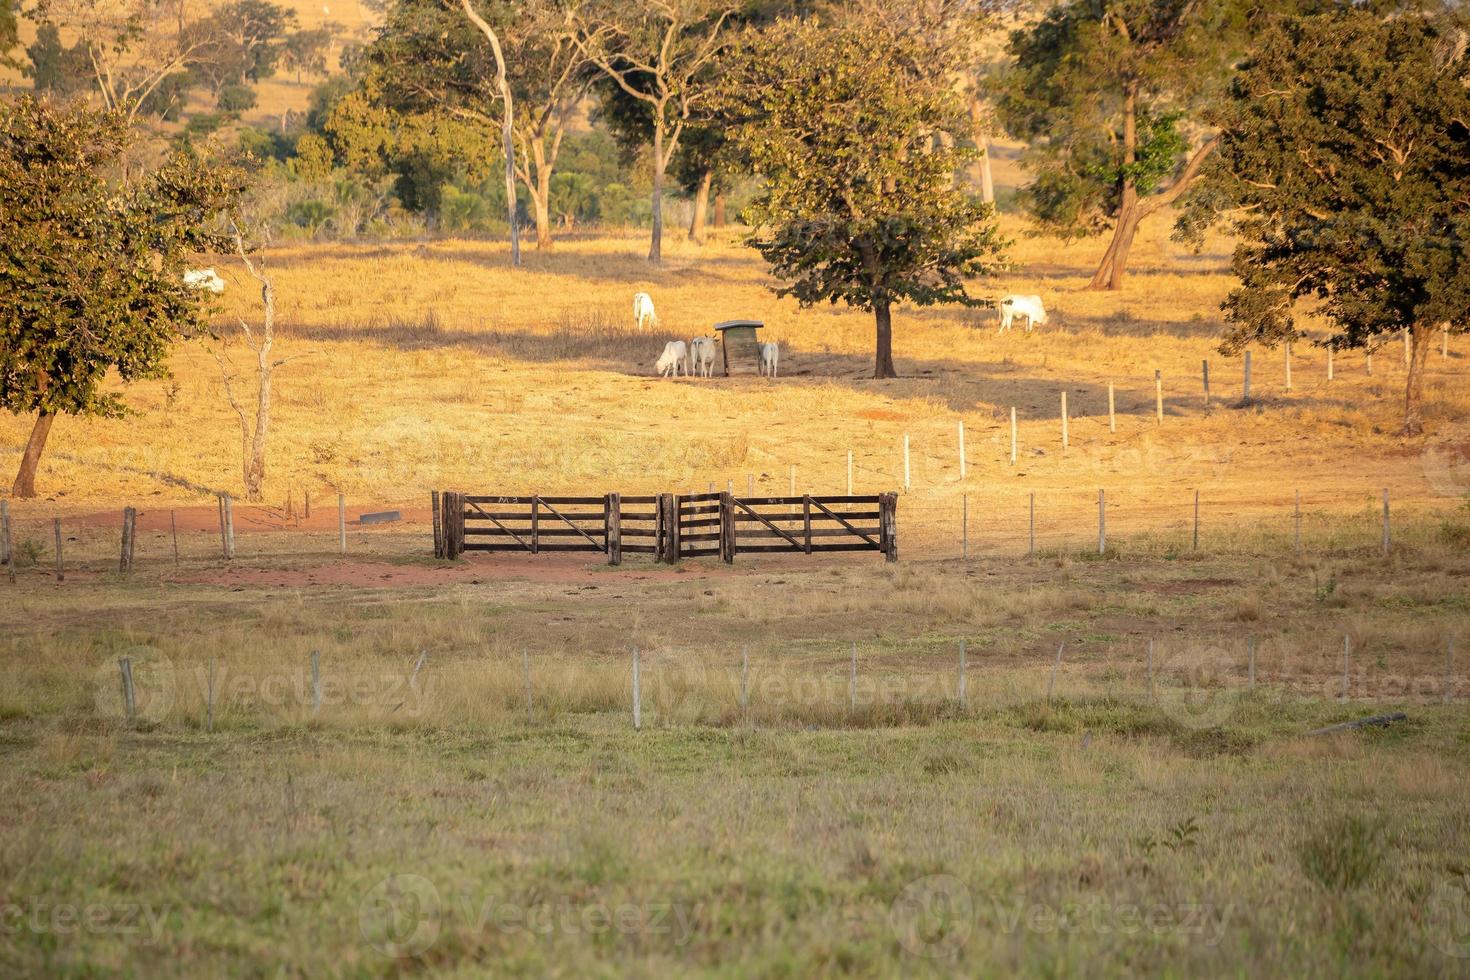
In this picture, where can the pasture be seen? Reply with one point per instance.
(461, 790)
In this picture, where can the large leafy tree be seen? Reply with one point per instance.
(1344, 166)
(1103, 92)
(860, 204)
(90, 267)
(658, 53)
(9, 35)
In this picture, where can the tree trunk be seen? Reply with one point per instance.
(719, 221)
(25, 480)
(982, 143)
(656, 244)
(1414, 384)
(1109, 274)
(883, 361)
(539, 187)
(701, 208)
(507, 127)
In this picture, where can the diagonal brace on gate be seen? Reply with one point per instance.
(745, 507)
(568, 523)
(818, 504)
(507, 530)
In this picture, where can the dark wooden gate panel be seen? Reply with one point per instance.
(699, 525)
(536, 524)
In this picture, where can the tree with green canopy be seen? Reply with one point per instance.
(91, 268)
(1344, 168)
(9, 35)
(658, 53)
(860, 204)
(1103, 91)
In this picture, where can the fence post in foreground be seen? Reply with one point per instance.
(342, 523)
(60, 568)
(1246, 388)
(907, 472)
(1056, 666)
(1102, 523)
(1387, 538)
(1065, 440)
(962, 449)
(130, 696)
(637, 695)
(727, 529)
(1346, 647)
(962, 674)
(1205, 371)
(613, 528)
(1013, 435)
(888, 525)
(129, 535)
(1196, 520)
(229, 527)
(1112, 410)
(849, 472)
(965, 527)
(1159, 395)
(1031, 547)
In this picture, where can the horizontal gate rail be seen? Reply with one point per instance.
(666, 526)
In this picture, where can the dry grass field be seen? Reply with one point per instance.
(470, 796)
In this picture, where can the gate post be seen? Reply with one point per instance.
(888, 525)
(457, 515)
(676, 546)
(438, 518)
(668, 529)
(612, 517)
(727, 528)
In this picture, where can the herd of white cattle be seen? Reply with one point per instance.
(697, 356)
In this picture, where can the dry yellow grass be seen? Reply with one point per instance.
(436, 365)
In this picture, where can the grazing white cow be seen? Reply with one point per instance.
(770, 359)
(204, 279)
(643, 314)
(702, 354)
(1016, 306)
(675, 356)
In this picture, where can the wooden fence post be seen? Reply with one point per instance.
(438, 519)
(1150, 669)
(1102, 523)
(1369, 362)
(8, 552)
(637, 695)
(1013, 435)
(306, 503)
(793, 479)
(888, 525)
(1159, 394)
(962, 449)
(129, 534)
(209, 700)
(229, 528)
(1056, 666)
(535, 524)
(60, 568)
(962, 675)
(727, 528)
(1196, 520)
(1444, 342)
(1246, 388)
(173, 527)
(1205, 371)
(1298, 522)
(660, 529)
(676, 543)
(1287, 346)
(907, 482)
(316, 682)
(1251, 661)
(745, 678)
(612, 529)
(806, 520)
(849, 472)
(1346, 647)
(1387, 538)
(1329, 363)
(965, 527)
(1408, 348)
(130, 694)
(852, 680)
(1112, 410)
(342, 523)
(1065, 440)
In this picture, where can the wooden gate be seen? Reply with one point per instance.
(668, 527)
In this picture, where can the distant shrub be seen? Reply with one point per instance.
(1341, 854)
(235, 99)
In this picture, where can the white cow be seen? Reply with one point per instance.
(1016, 306)
(770, 359)
(675, 356)
(643, 314)
(702, 354)
(204, 279)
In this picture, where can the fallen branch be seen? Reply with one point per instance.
(1382, 721)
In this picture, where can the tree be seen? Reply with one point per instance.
(254, 431)
(132, 46)
(91, 271)
(1101, 90)
(860, 204)
(242, 42)
(1344, 166)
(432, 60)
(656, 52)
(54, 69)
(306, 52)
(9, 35)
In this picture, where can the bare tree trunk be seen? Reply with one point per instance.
(656, 245)
(1414, 384)
(507, 128)
(701, 208)
(1109, 274)
(982, 143)
(720, 205)
(883, 360)
(25, 479)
